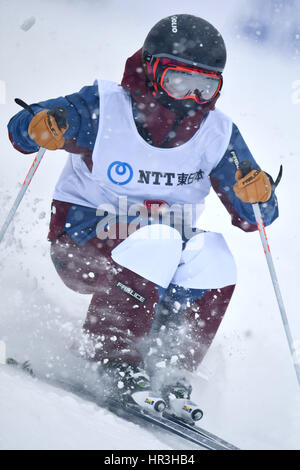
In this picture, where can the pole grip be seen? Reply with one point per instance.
(24, 105)
(245, 167)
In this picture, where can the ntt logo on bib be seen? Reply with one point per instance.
(120, 173)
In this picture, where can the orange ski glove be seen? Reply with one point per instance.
(47, 128)
(253, 187)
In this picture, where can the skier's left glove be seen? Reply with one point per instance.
(253, 187)
(47, 128)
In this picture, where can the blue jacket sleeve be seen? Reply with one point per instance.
(223, 180)
(82, 116)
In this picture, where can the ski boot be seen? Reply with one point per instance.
(179, 404)
(131, 386)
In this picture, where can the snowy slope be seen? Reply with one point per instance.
(246, 384)
(45, 417)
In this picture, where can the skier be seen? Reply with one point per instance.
(159, 292)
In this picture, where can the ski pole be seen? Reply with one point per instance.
(245, 167)
(27, 180)
(22, 192)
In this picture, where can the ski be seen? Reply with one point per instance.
(200, 431)
(202, 439)
(194, 434)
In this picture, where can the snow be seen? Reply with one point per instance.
(246, 384)
(53, 419)
(28, 23)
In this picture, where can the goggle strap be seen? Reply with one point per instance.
(154, 73)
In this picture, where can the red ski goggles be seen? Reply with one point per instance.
(185, 82)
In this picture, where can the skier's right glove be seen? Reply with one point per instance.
(47, 128)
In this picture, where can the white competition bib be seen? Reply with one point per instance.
(124, 164)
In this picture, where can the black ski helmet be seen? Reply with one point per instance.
(188, 39)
